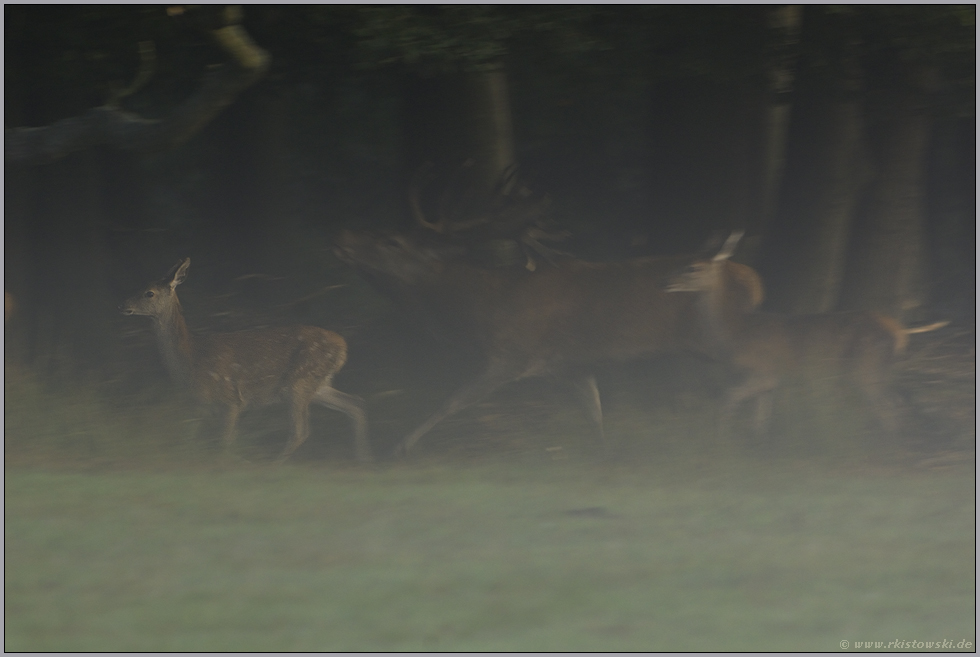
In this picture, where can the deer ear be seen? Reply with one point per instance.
(728, 248)
(180, 272)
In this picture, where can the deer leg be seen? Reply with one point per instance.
(353, 407)
(466, 396)
(301, 426)
(876, 389)
(870, 372)
(753, 386)
(231, 422)
(883, 405)
(763, 411)
(588, 393)
(205, 424)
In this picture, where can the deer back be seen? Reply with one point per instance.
(264, 366)
(570, 312)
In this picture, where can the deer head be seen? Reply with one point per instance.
(705, 274)
(159, 298)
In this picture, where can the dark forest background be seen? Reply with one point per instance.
(841, 137)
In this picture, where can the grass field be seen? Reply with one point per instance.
(506, 532)
(566, 556)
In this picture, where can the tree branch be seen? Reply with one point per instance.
(130, 132)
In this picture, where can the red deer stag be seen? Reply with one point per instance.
(766, 347)
(292, 365)
(558, 321)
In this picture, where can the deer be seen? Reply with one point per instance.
(767, 347)
(558, 321)
(294, 365)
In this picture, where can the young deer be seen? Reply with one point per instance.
(292, 364)
(767, 346)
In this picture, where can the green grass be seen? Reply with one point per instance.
(504, 532)
(572, 555)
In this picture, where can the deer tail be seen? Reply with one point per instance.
(900, 334)
(927, 327)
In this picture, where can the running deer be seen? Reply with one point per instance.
(559, 321)
(766, 347)
(292, 365)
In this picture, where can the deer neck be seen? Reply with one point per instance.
(717, 318)
(175, 343)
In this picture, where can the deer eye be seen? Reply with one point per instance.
(148, 294)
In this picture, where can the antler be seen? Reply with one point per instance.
(444, 224)
(510, 211)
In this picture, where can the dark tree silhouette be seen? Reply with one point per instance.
(113, 126)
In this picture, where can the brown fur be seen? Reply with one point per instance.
(558, 321)
(901, 334)
(292, 365)
(747, 279)
(767, 347)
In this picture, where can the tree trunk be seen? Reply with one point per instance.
(492, 127)
(784, 22)
(826, 170)
(70, 320)
(270, 160)
(951, 212)
(822, 269)
(885, 271)
(456, 120)
(706, 159)
(54, 246)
